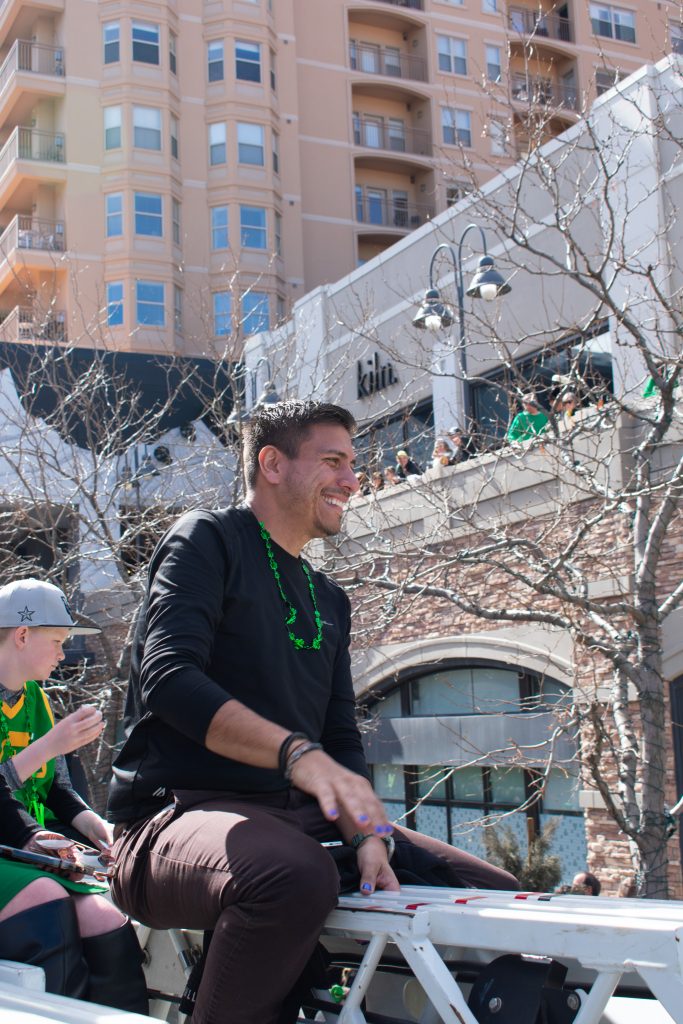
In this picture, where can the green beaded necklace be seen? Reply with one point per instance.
(291, 613)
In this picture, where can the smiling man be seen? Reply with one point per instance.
(242, 752)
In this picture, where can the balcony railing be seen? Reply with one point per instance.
(32, 144)
(416, 5)
(385, 212)
(25, 232)
(376, 134)
(543, 92)
(27, 56)
(26, 324)
(377, 60)
(527, 22)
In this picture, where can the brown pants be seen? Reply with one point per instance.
(255, 873)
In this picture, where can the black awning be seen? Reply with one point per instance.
(108, 400)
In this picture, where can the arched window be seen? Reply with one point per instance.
(459, 743)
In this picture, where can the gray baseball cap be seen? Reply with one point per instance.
(37, 603)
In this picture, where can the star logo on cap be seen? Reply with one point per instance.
(26, 614)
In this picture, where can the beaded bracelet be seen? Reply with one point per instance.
(305, 748)
(284, 749)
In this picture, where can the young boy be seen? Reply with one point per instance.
(35, 622)
(87, 948)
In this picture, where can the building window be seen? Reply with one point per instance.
(276, 152)
(457, 190)
(147, 128)
(217, 146)
(111, 38)
(250, 144)
(175, 219)
(247, 61)
(273, 76)
(219, 227)
(279, 309)
(253, 227)
(174, 136)
(498, 134)
(178, 308)
(489, 6)
(222, 314)
(112, 127)
(216, 61)
(452, 55)
(676, 36)
(172, 53)
(613, 22)
(255, 312)
(606, 79)
(113, 205)
(149, 303)
(114, 303)
(145, 42)
(278, 234)
(456, 126)
(493, 65)
(148, 214)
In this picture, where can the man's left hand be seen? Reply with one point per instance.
(375, 871)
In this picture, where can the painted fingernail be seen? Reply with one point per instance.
(333, 812)
(363, 818)
(366, 887)
(380, 829)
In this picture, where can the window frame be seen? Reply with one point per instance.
(219, 231)
(114, 305)
(247, 149)
(173, 130)
(112, 128)
(115, 43)
(244, 66)
(457, 130)
(142, 45)
(255, 299)
(152, 304)
(457, 62)
(217, 63)
(138, 109)
(148, 218)
(222, 317)
(175, 221)
(173, 53)
(248, 231)
(616, 30)
(214, 126)
(490, 64)
(112, 215)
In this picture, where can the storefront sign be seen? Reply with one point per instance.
(374, 376)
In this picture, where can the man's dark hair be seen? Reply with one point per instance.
(285, 425)
(588, 879)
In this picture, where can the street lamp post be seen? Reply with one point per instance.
(435, 314)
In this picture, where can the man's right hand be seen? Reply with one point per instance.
(77, 729)
(340, 793)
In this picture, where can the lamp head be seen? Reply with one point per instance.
(487, 283)
(433, 313)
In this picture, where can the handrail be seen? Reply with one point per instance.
(543, 92)
(381, 134)
(23, 323)
(25, 55)
(376, 211)
(26, 232)
(32, 144)
(528, 22)
(381, 60)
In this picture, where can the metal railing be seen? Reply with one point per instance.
(35, 57)
(416, 5)
(378, 60)
(26, 324)
(385, 212)
(527, 22)
(26, 232)
(32, 144)
(373, 134)
(543, 92)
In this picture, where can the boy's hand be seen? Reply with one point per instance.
(77, 729)
(99, 832)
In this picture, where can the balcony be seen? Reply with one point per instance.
(387, 61)
(25, 232)
(391, 135)
(25, 324)
(415, 5)
(527, 22)
(31, 57)
(374, 209)
(543, 92)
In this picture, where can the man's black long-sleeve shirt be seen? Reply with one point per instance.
(213, 628)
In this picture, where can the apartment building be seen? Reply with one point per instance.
(175, 175)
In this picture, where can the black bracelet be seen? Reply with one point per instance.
(305, 748)
(284, 749)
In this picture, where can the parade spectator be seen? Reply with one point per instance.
(405, 466)
(442, 454)
(568, 406)
(462, 446)
(391, 477)
(528, 423)
(586, 884)
(376, 481)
